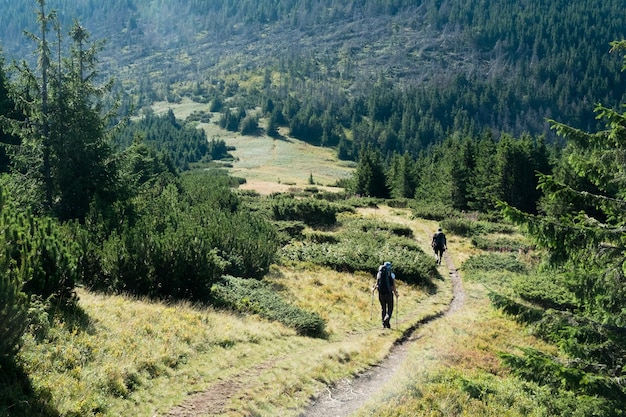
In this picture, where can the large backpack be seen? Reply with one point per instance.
(383, 280)
(439, 237)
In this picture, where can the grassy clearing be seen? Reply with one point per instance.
(266, 160)
(454, 368)
(182, 110)
(129, 356)
(270, 165)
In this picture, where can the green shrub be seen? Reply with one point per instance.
(459, 226)
(464, 225)
(431, 210)
(13, 314)
(363, 246)
(398, 203)
(320, 237)
(547, 291)
(257, 297)
(310, 211)
(393, 228)
(290, 230)
(35, 260)
(499, 243)
(331, 196)
(494, 262)
(185, 237)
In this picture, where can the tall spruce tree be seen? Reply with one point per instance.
(64, 157)
(582, 227)
(369, 178)
(401, 177)
(7, 111)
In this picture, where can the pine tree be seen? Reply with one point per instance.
(582, 221)
(8, 140)
(64, 158)
(369, 178)
(401, 177)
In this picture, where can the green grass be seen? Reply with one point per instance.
(270, 164)
(129, 356)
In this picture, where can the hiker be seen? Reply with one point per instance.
(386, 286)
(439, 244)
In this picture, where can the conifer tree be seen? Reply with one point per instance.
(64, 158)
(7, 111)
(369, 178)
(582, 219)
(401, 177)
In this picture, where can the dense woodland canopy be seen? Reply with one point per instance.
(454, 120)
(446, 66)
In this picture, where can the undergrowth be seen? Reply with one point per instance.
(257, 297)
(362, 245)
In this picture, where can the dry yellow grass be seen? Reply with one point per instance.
(143, 358)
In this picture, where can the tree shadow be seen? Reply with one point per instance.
(18, 397)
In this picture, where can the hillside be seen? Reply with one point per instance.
(128, 356)
(492, 64)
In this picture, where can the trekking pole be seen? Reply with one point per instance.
(397, 309)
(372, 307)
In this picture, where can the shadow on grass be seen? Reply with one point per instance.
(18, 398)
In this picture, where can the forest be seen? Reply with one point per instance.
(97, 191)
(446, 66)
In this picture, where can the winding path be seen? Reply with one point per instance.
(349, 395)
(341, 399)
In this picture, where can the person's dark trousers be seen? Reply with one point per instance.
(439, 252)
(386, 306)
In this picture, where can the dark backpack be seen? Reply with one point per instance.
(383, 280)
(439, 238)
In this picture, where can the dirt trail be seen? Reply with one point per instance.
(339, 400)
(349, 395)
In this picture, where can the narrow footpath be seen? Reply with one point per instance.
(349, 395)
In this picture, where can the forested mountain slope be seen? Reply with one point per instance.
(506, 65)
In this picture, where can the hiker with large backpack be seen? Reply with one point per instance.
(439, 244)
(386, 286)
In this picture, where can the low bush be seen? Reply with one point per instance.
(367, 225)
(310, 211)
(185, 237)
(321, 237)
(499, 243)
(13, 315)
(494, 262)
(431, 210)
(459, 226)
(466, 226)
(363, 245)
(258, 297)
(547, 291)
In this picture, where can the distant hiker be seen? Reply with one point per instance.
(439, 244)
(386, 286)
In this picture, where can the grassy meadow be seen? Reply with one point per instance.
(122, 356)
(128, 356)
(270, 164)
